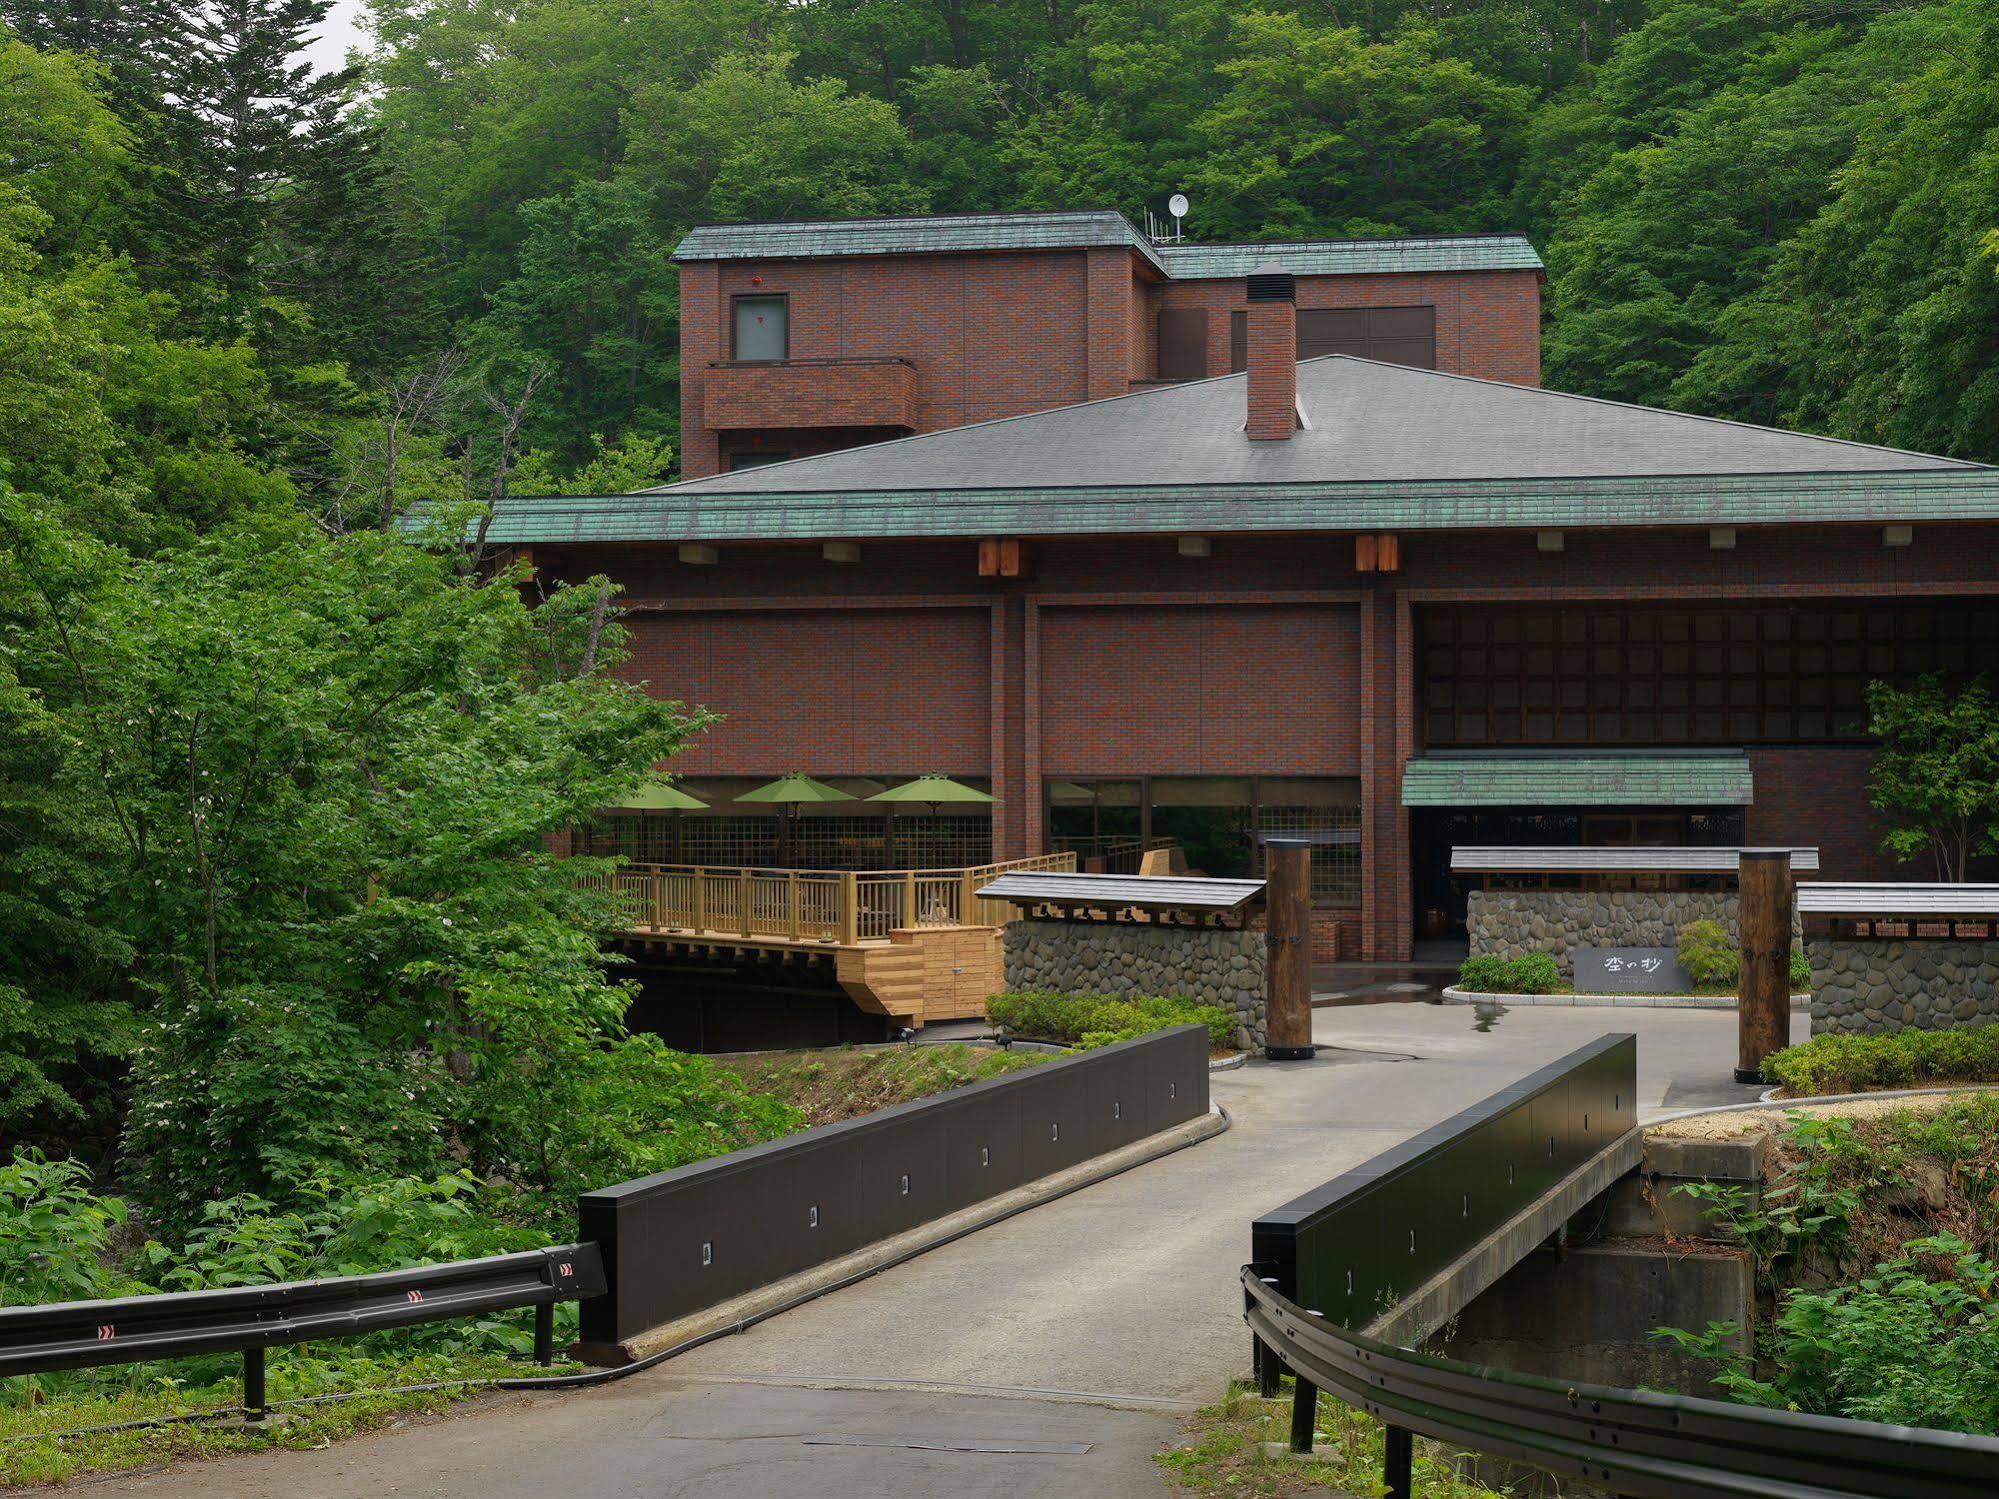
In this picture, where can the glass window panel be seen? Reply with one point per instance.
(1673, 726)
(1506, 663)
(1471, 726)
(1540, 726)
(1777, 725)
(1506, 694)
(1540, 694)
(1606, 727)
(1639, 693)
(1540, 663)
(1506, 630)
(1539, 629)
(1572, 726)
(1641, 727)
(1707, 726)
(761, 330)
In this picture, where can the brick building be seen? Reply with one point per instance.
(1098, 541)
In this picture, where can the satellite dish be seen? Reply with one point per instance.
(1177, 205)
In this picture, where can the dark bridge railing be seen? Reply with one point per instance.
(249, 1319)
(1335, 1261)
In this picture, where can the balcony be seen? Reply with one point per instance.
(781, 393)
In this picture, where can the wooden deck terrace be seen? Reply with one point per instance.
(914, 944)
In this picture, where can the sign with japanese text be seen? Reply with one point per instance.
(1630, 970)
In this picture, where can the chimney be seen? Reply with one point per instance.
(1272, 354)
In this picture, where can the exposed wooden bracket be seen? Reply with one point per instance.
(1379, 553)
(1000, 557)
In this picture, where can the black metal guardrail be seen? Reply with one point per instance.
(250, 1319)
(688, 1239)
(1334, 1259)
(1354, 1245)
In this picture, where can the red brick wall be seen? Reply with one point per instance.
(1818, 796)
(827, 692)
(1128, 690)
(996, 335)
(1488, 322)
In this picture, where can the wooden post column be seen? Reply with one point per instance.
(1288, 971)
(1763, 917)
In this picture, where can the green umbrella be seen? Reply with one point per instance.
(794, 789)
(790, 792)
(931, 789)
(657, 796)
(1069, 791)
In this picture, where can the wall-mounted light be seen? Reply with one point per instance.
(1897, 536)
(841, 551)
(1195, 546)
(1549, 541)
(1721, 538)
(698, 554)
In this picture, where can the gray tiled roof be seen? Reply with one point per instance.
(1367, 422)
(1682, 860)
(1868, 900)
(1555, 779)
(1354, 257)
(915, 235)
(1152, 892)
(1387, 448)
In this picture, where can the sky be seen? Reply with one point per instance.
(341, 31)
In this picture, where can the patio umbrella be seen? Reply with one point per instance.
(931, 789)
(656, 795)
(1069, 791)
(792, 792)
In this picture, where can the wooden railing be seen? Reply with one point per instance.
(812, 905)
(1120, 854)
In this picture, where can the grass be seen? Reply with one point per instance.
(847, 1081)
(1092, 1020)
(52, 1441)
(1222, 1452)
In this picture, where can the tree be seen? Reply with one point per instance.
(1936, 774)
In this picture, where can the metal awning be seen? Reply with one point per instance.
(1521, 860)
(1124, 892)
(1964, 902)
(1525, 778)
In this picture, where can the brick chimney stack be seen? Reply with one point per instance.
(1272, 354)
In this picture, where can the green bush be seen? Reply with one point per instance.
(1531, 973)
(1901, 1059)
(1709, 954)
(1092, 1020)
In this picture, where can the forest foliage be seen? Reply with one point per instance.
(275, 785)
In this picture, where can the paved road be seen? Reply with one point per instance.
(1093, 1321)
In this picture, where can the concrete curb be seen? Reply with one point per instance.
(768, 1300)
(1457, 996)
(1765, 1104)
(1229, 1064)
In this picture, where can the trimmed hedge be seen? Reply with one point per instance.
(1901, 1059)
(1087, 1021)
(1533, 973)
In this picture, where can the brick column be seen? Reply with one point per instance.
(1109, 322)
(1387, 741)
(701, 339)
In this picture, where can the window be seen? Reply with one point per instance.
(1685, 675)
(762, 329)
(742, 458)
(1393, 335)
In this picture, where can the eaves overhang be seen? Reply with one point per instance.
(1615, 503)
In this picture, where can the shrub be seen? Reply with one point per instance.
(1901, 1059)
(1531, 973)
(1801, 972)
(1092, 1020)
(1709, 955)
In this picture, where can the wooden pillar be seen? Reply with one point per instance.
(1763, 917)
(1288, 972)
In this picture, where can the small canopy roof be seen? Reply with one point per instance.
(1122, 892)
(1526, 860)
(931, 789)
(655, 795)
(1967, 902)
(796, 789)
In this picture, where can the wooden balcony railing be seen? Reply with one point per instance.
(838, 907)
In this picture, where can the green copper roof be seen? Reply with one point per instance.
(918, 235)
(1354, 257)
(929, 234)
(1553, 779)
(1918, 496)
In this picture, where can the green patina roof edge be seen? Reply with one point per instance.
(809, 239)
(1594, 780)
(1901, 496)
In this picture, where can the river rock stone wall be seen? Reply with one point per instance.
(1209, 965)
(1872, 986)
(1513, 923)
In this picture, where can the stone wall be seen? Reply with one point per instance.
(1513, 923)
(1208, 965)
(1872, 986)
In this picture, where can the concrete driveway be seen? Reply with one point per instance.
(1092, 1323)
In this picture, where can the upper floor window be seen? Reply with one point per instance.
(762, 329)
(1393, 335)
